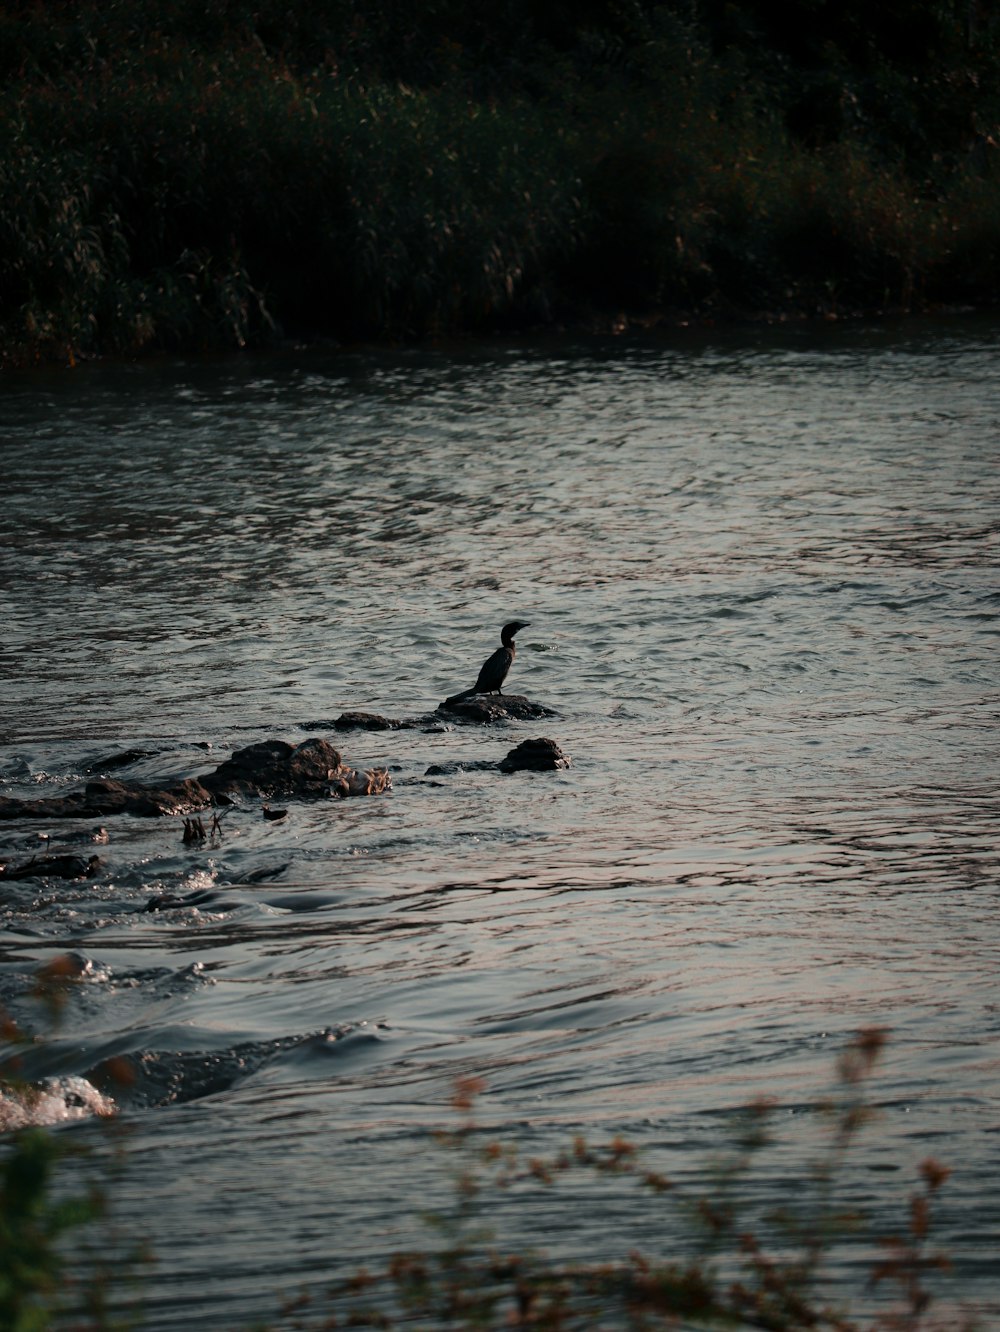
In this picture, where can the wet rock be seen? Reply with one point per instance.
(541, 755)
(170, 901)
(97, 836)
(366, 721)
(123, 760)
(164, 902)
(363, 721)
(268, 768)
(71, 806)
(485, 708)
(109, 796)
(54, 867)
(460, 765)
(265, 768)
(276, 768)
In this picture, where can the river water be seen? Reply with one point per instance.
(760, 571)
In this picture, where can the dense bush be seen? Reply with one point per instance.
(176, 175)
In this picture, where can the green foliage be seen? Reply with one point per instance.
(32, 1224)
(56, 1251)
(176, 175)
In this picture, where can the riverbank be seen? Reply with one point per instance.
(169, 184)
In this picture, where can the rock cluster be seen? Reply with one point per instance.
(475, 709)
(268, 768)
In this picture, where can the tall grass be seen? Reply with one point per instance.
(170, 182)
(346, 209)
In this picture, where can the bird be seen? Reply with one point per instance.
(495, 668)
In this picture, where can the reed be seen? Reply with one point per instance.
(169, 182)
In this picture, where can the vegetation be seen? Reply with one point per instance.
(175, 174)
(44, 1216)
(737, 1271)
(735, 1265)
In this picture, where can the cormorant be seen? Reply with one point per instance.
(494, 669)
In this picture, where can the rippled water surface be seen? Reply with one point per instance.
(760, 572)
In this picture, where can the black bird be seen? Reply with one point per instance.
(495, 668)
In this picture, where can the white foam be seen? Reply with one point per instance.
(55, 1101)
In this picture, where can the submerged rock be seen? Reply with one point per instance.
(484, 708)
(122, 760)
(541, 755)
(268, 768)
(54, 867)
(170, 901)
(454, 766)
(367, 721)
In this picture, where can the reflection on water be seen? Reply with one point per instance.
(760, 573)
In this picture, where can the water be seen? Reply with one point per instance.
(760, 575)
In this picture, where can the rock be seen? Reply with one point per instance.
(263, 768)
(268, 768)
(485, 708)
(276, 768)
(54, 867)
(539, 755)
(122, 760)
(109, 796)
(164, 902)
(363, 721)
(79, 836)
(366, 721)
(169, 901)
(460, 765)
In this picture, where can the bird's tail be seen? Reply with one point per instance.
(457, 698)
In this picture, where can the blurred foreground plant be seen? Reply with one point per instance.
(57, 1267)
(770, 1278)
(729, 1269)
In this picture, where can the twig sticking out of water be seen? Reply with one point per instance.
(194, 831)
